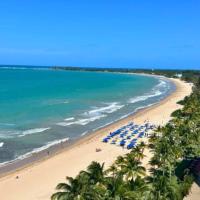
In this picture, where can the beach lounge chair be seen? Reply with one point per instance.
(130, 146)
(128, 137)
(113, 142)
(105, 140)
(122, 143)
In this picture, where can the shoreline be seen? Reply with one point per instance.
(39, 156)
(43, 155)
(85, 145)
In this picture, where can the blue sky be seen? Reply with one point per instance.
(101, 33)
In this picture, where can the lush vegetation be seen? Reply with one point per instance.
(188, 75)
(172, 146)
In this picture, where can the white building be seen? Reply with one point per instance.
(178, 75)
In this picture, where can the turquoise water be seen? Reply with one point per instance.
(39, 108)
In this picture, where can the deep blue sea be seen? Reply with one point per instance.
(42, 107)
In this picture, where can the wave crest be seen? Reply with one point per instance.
(110, 108)
(36, 150)
(158, 90)
(92, 115)
(80, 121)
(1, 144)
(69, 119)
(33, 131)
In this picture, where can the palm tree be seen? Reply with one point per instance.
(119, 160)
(95, 172)
(113, 170)
(164, 187)
(96, 192)
(141, 146)
(140, 187)
(186, 184)
(126, 178)
(115, 187)
(138, 152)
(70, 190)
(131, 168)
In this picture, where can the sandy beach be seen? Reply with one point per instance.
(194, 193)
(39, 180)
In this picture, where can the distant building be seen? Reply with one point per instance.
(178, 75)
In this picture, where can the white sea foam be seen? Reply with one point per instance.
(4, 136)
(83, 121)
(49, 144)
(145, 97)
(88, 120)
(64, 123)
(1, 144)
(111, 107)
(156, 91)
(69, 119)
(141, 107)
(124, 116)
(92, 115)
(161, 83)
(33, 131)
(84, 133)
(36, 150)
(8, 134)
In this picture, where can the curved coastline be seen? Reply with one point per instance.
(71, 159)
(54, 147)
(49, 150)
(36, 128)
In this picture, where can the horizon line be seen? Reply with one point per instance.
(101, 67)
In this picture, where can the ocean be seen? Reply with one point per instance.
(43, 107)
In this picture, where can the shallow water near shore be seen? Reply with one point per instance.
(41, 108)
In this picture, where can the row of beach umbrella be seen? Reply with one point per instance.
(128, 135)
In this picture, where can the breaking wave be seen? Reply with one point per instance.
(92, 115)
(158, 90)
(36, 150)
(80, 121)
(69, 119)
(110, 108)
(1, 144)
(33, 131)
